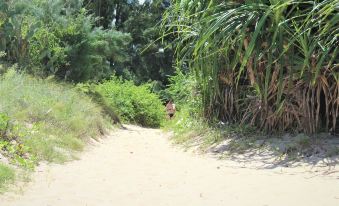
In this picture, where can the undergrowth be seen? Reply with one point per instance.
(133, 104)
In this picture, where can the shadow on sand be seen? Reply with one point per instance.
(286, 152)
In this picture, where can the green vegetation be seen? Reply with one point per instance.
(53, 37)
(51, 119)
(41, 120)
(242, 70)
(142, 22)
(233, 140)
(192, 130)
(269, 64)
(52, 43)
(188, 124)
(7, 175)
(134, 104)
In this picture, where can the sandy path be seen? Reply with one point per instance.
(138, 167)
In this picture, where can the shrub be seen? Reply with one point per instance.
(133, 103)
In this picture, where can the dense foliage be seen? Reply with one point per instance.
(184, 90)
(82, 40)
(150, 58)
(272, 65)
(51, 42)
(135, 104)
(268, 63)
(58, 37)
(7, 175)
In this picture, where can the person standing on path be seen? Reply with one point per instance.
(170, 109)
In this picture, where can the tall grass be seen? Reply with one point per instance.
(52, 120)
(269, 63)
(7, 175)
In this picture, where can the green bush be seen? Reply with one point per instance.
(184, 91)
(50, 120)
(135, 104)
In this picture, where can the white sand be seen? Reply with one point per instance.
(139, 167)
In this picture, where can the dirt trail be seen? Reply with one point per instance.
(139, 167)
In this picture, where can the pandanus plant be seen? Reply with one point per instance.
(269, 63)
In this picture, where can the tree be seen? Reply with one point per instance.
(49, 37)
(270, 63)
(150, 58)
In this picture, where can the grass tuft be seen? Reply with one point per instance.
(7, 175)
